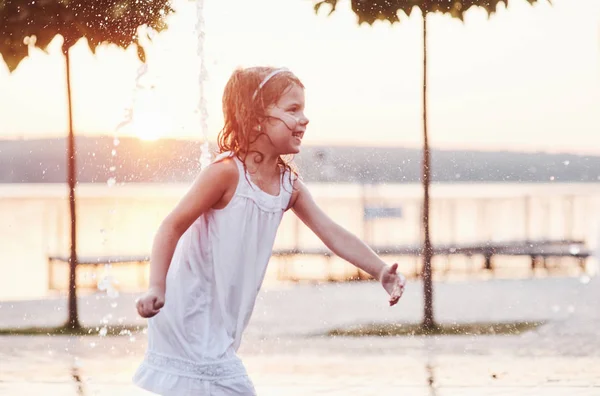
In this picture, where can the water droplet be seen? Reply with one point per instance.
(555, 308)
(132, 339)
(92, 344)
(111, 182)
(116, 142)
(112, 168)
(114, 304)
(103, 331)
(584, 279)
(567, 162)
(113, 152)
(104, 284)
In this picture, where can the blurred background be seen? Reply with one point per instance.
(513, 126)
(512, 111)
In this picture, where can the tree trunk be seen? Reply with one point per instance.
(428, 321)
(73, 320)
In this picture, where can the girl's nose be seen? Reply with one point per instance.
(304, 120)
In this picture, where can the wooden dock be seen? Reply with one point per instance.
(538, 251)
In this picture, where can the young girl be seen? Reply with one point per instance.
(211, 252)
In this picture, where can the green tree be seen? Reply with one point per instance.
(99, 22)
(369, 11)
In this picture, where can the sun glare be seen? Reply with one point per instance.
(148, 135)
(149, 124)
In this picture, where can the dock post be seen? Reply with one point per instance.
(488, 261)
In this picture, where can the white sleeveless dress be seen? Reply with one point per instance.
(212, 284)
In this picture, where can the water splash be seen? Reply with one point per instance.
(107, 282)
(201, 109)
(574, 249)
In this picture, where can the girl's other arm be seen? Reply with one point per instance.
(206, 191)
(345, 244)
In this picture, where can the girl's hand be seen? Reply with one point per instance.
(150, 303)
(393, 283)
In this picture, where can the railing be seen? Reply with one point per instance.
(538, 251)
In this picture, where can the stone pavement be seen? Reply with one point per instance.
(286, 353)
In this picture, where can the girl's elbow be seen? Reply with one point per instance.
(170, 228)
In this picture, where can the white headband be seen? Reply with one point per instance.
(267, 78)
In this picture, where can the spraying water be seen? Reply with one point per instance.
(107, 282)
(201, 109)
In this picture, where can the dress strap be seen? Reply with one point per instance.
(246, 188)
(287, 188)
(239, 164)
(229, 154)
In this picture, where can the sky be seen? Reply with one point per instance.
(526, 79)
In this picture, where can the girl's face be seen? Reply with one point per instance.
(285, 122)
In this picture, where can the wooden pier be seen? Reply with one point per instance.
(538, 251)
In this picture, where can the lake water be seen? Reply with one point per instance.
(122, 220)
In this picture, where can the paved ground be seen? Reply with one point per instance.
(286, 354)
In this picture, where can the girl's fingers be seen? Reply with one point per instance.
(397, 291)
(148, 307)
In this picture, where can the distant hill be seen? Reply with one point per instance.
(169, 160)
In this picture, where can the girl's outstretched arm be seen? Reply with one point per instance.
(345, 244)
(207, 190)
